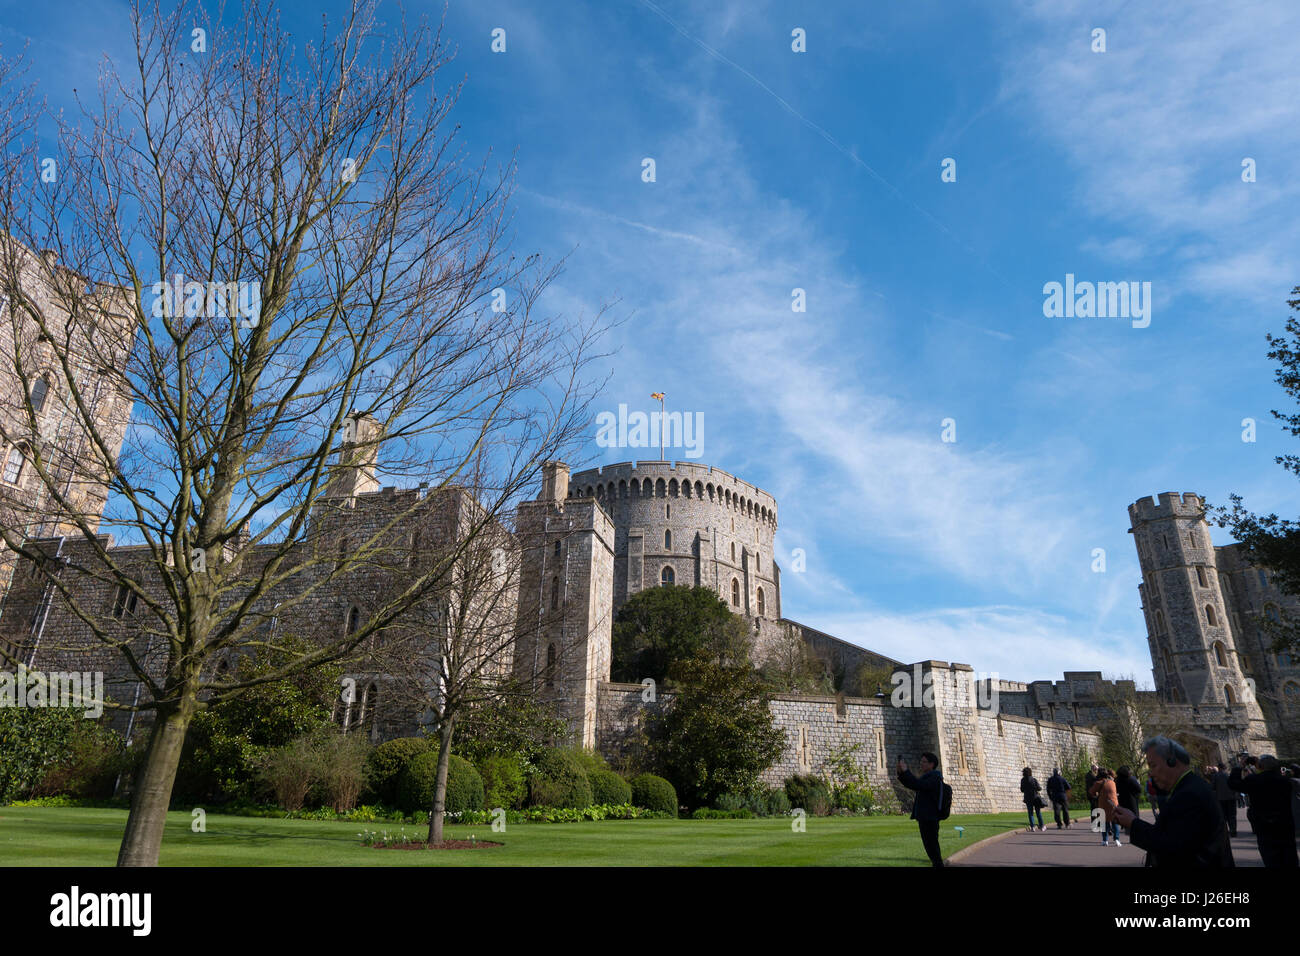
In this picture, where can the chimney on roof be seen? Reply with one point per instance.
(555, 481)
(355, 472)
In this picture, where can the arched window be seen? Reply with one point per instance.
(13, 466)
(1218, 654)
(1284, 659)
(550, 665)
(668, 540)
(557, 547)
(760, 602)
(666, 577)
(735, 592)
(1291, 690)
(733, 552)
(555, 593)
(668, 511)
(661, 489)
(1200, 576)
(1229, 697)
(1191, 542)
(1209, 616)
(40, 388)
(354, 619)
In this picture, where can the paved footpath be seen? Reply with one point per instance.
(1079, 846)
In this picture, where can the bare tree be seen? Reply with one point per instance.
(292, 263)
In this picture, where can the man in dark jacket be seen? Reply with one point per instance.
(1270, 811)
(1227, 798)
(1058, 791)
(925, 808)
(1190, 831)
(1089, 779)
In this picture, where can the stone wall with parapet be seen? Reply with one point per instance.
(876, 733)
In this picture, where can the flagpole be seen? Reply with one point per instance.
(660, 396)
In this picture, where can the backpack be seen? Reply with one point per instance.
(945, 800)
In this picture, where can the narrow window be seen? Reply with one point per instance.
(760, 602)
(415, 548)
(354, 620)
(555, 594)
(123, 602)
(668, 540)
(13, 466)
(1229, 697)
(557, 547)
(735, 592)
(1200, 576)
(668, 511)
(733, 552)
(666, 577)
(342, 555)
(39, 391)
(1209, 616)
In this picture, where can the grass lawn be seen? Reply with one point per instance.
(66, 836)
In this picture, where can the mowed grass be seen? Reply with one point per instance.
(61, 836)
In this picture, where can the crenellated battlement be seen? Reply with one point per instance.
(684, 479)
(1170, 505)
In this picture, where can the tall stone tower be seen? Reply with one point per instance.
(1193, 648)
(565, 612)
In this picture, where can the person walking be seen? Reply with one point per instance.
(925, 808)
(1190, 831)
(1029, 789)
(1058, 791)
(1227, 798)
(1129, 792)
(1270, 811)
(1106, 796)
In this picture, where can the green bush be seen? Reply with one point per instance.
(728, 802)
(31, 740)
(654, 793)
(560, 781)
(607, 787)
(387, 761)
(504, 784)
(710, 813)
(778, 802)
(809, 793)
(95, 756)
(416, 785)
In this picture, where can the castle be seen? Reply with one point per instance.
(592, 540)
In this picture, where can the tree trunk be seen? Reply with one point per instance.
(440, 783)
(153, 790)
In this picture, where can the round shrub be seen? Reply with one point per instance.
(504, 784)
(560, 781)
(654, 793)
(809, 793)
(608, 788)
(387, 761)
(416, 784)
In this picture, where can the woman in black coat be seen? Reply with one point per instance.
(1128, 789)
(1033, 802)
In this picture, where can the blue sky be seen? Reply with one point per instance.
(820, 170)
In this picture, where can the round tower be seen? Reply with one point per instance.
(692, 524)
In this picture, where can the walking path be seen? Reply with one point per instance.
(1079, 846)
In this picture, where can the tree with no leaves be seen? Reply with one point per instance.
(267, 243)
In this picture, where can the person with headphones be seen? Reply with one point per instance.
(1191, 831)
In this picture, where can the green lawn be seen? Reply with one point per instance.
(59, 836)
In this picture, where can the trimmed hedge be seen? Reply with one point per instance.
(809, 793)
(560, 781)
(504, 783)
(416, 785)
(654, 793)
(609, 788)
(387, 761)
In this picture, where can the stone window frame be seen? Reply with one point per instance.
(124, 602)
(667, 576)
